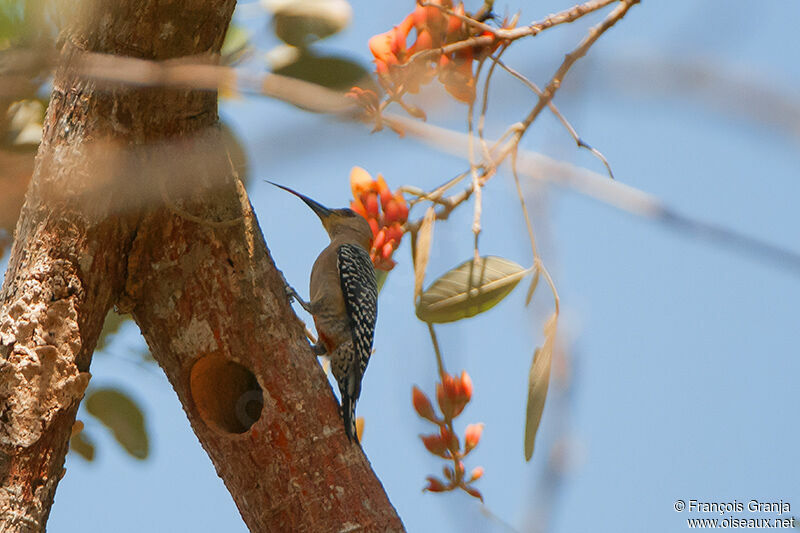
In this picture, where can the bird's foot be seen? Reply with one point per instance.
(292, 294)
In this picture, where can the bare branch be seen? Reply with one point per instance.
(569, 60)
(573, 133)
(563, 17)
(597, 186)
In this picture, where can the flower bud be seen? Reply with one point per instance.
(424, 42)
(387, 250)
(445, 405)
(472, 436)
(420, 16)
(402, 206)
(380, 46)
(383, 190)
(373, 225)
(452, 392)
(436, 445)
(475, 493)
(449, 439)
(466, 385)
(476, 474)
(358, 207)
(454, 24)
(371, 205)
(434, 485)
(360, 181)
(380, 239)
(422, 405)
(394, 232)
(391, 211)
(448, 473)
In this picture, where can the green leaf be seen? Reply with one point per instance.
(82, 445)
(12, 21)
(332, 72)
(538, 383)
(301, 22)
(122, 416)
(471, 288)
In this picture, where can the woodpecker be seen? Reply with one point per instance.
(343, 301)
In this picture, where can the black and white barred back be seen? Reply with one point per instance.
(349, 360)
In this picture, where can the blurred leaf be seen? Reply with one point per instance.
(12, 21)
(5, 241)
(82, 445)
(26, 21)
(538, 382)
(111, 326)
(16, 169)
(24, 126)
(123, 417)
(532, 288)
(471, 288)
(301, 22)
(332, 72)
(236, 40)
(422, 249)
(281, 55)
(380, 278)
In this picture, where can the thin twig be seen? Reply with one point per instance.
(597, 186)
(485, 104)
(570, 59)
(524, 206)
(463, 18)
(577, 138)
(114, 69)
(563, 17)
(476, 184)
(538, 263)
(439, 362)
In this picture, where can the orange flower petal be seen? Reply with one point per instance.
(360, 181)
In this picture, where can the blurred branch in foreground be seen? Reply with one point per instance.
(735, 90)
(191, 73)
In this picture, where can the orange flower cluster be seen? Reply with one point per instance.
(385, 211)
(434, 29)
(452, 395)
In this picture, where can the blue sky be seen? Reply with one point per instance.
(684, 367)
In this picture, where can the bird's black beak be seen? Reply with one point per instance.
(322, 212)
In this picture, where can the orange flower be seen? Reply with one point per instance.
(386, 212)
(434, 29)
(453, 394)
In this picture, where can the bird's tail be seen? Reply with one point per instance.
(349, 416)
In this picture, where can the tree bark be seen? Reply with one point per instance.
(134, 202)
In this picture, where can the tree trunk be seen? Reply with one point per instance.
(134, 202)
